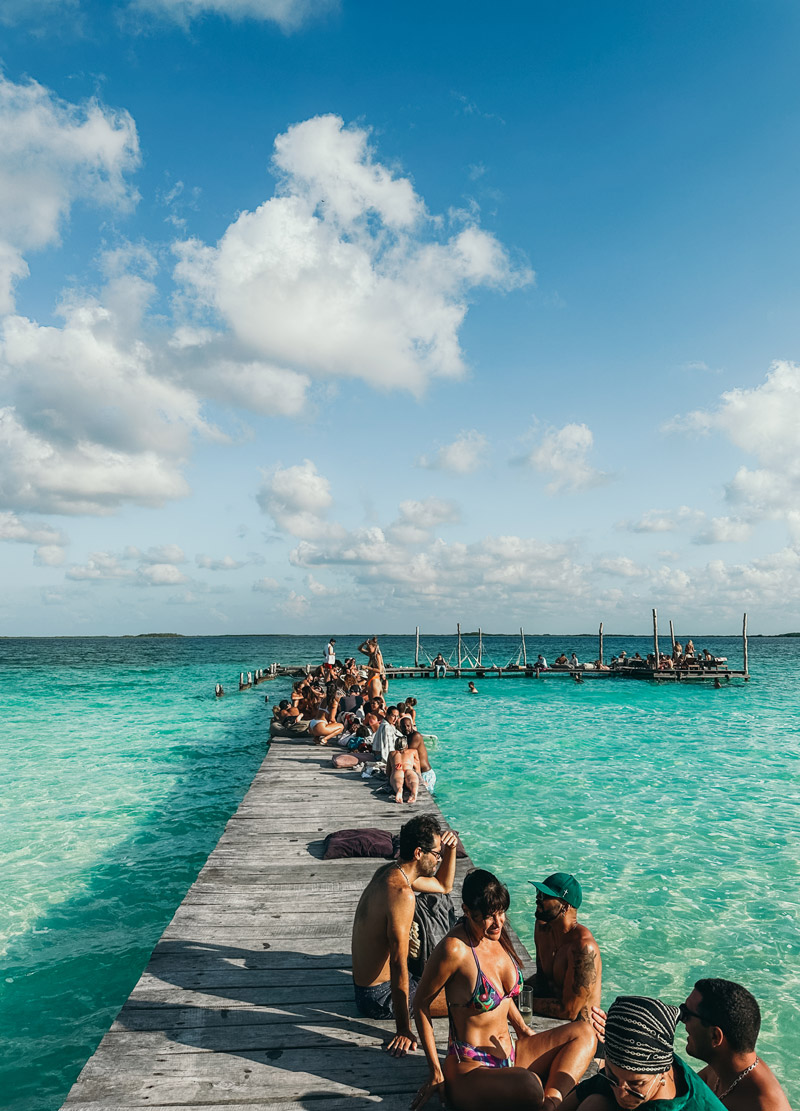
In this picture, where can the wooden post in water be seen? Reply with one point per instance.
(600, 636)
(524, 649)
(416, 650)
(480, 647)
(672, 636)
(458, 627)
(656, 653)
(744, 644)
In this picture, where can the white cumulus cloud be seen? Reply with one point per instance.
(288, 14)
(341, 273)
(562, 453)
(54, 154)
(298, 499)
(465, 455)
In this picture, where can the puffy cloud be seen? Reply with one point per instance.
(53, 154)
(295, 605)
(23, 532)
(339, 273)
(288, 14)
(297, 498)
(763, 422)
(416, 519)
(100, 567)
(465, 455)
(161, 574)
(724, 530)
(563, 454)
(49, 555)
(621, 566)
(227, 563)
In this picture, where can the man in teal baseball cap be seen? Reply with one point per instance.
(561, 885)
(568, 964)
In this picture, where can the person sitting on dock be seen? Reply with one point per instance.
(573, 661)
(427, 774)
(382, 984)
(640, 1064)
(541, 663)
(561, 661)
(323, 726)
(568, 965)
(722, 1022)
(481, 975)
(439, 666)
(386, 735)
(403, 770)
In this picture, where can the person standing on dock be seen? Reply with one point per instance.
(568, 965)
(383, 987)
(330, 657)
(376, 669)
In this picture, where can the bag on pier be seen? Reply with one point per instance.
(434, 916)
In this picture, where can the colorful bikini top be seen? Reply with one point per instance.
(485, 996)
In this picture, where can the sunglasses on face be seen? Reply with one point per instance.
(632, 1092)
(436, 853)
(684, 1014)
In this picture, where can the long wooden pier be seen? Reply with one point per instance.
(248, 998)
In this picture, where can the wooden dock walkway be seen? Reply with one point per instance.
(247, 999)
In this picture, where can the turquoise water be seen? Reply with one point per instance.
(676, 807)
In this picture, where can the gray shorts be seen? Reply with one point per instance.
(376, 1001)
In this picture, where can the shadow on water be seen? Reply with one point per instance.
(63, 983)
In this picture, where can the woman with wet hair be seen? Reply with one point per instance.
(481, 975)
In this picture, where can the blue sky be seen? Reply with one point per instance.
(358, 315)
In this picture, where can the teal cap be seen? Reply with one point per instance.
(561, 885)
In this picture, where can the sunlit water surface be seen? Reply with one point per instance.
(675, 806)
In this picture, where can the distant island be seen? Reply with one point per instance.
(159, 635)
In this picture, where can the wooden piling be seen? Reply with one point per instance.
(416, 650)
(480, 647)
(744, 646)
(458, 672)
(656, 653)
(524, 649)
(672, 636)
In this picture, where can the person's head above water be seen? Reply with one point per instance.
(640, 1033)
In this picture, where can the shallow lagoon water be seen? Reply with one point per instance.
(676, 806)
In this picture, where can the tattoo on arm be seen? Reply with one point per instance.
(585, 974)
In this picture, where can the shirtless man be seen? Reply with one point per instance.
(376, 671)
(403, 770)
(427, 774)
(383, 987)
(568, 965)
(722, 1023)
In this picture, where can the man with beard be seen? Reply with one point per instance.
(383, 986)
(568, 965)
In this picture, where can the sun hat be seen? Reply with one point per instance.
(561, 885)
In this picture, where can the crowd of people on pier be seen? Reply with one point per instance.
(471, 974)
(681, 658)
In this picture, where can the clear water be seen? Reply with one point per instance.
(676, 807)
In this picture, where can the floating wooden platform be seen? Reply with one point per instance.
(247, 1000)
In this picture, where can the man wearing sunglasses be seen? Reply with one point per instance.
(722, 1022)
(383, 987)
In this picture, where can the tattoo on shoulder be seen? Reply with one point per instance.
(585, 970)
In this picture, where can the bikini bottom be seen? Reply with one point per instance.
(463, 1051)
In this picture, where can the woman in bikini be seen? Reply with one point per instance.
(476, 965)
(376, 671)
(403, 770)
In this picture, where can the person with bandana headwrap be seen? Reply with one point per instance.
(641, 1066)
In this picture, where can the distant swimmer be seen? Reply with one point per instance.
(576, 677)
(472, 688)
(568, 965)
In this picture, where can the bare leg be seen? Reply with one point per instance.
(412, 782)
(474, 1087)
(559, 1056)
(396, 783)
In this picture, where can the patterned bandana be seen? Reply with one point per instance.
(640, 1033)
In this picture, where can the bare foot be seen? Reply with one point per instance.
(412, 799)
(398, 798)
